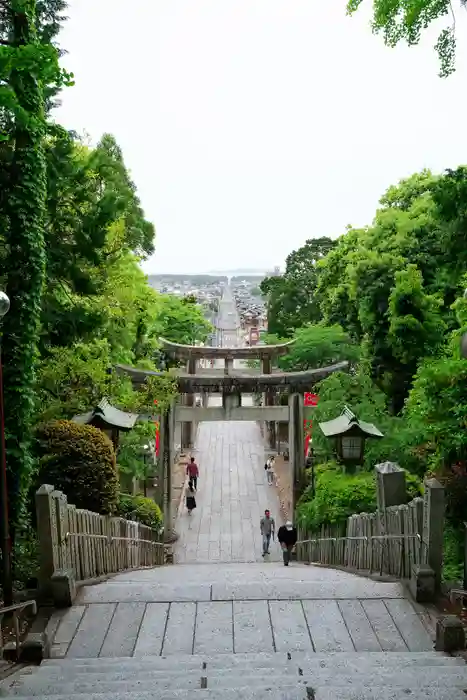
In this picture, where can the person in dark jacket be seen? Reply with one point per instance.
(190, 498)
(287, 537)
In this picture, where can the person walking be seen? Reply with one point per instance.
(267, 527)
(270, 470)
(190, 498)
(287, 538)
(193, 473)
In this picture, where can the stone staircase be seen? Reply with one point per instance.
(251, 631)
(272, 676)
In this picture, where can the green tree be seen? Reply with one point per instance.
(291, 300)
(317, 346)
(358, 392)
(131, 456)
(405, 20)
(416, 330)
(28, 68)
(182, 322)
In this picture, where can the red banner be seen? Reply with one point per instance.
(307, 427)
(157, 437)
(310, 399)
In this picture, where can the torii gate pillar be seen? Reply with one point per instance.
(269, 401)
(188, 429)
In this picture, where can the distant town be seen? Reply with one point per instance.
(207, 289)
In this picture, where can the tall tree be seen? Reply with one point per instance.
(27, 68)
(291, 300)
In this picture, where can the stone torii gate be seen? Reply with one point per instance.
(192, 355)
(231, 384)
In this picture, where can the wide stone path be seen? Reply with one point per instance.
(232, 496)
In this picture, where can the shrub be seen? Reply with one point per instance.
(143, 510)
(80, 461)
(339, 495)
(453, 553)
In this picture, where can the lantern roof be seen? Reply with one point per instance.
(106, 416)
(348, 422)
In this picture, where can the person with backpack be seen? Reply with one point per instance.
(190, 498)
(287, 538)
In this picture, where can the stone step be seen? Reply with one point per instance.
(259, 660)
(362, 667)
(127, 592)
(286, 692)
(386, 693)
(414, 678)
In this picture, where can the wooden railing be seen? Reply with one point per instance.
(97, 545)
(388, 542)
(394, 555)
(15, 611)
(84, 545)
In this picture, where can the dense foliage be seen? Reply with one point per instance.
(389, 298)
(72, 236)
(78, 460)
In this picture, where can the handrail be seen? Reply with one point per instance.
(343, 558)
(362, 538)
(110, 538)
(16, 609)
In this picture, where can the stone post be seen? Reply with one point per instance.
(228, 366)
(296, 444)
(64, 578)
(48, 537)
(433, 525)
(390, 485)
(56, 578)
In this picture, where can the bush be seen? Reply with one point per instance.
(453, 554)
(80, 461)
(339, 495)
(143, 510)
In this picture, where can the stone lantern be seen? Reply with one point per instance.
(349, 435)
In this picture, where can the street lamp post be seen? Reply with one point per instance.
(7, 579)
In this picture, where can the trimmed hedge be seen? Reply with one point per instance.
(80, 461)
(143, 510)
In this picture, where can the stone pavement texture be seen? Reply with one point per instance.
(232, 496)
(238, 609)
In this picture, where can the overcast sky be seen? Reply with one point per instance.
(251, 125)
